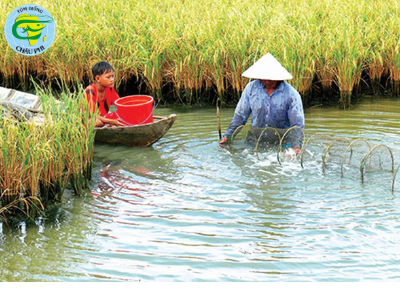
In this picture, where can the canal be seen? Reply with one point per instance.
(187, 210)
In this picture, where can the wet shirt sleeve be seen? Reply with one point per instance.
(295, 111)
(242, 112)
(296, 118)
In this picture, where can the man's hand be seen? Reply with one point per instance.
(223, 141)
(297, 150)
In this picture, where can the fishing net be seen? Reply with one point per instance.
(313, 149)
(292, 137)
(396, 179)
(353, 159)
(332, 154)
(263, 138)
(378, 164)
(236, 143)
(269, 137)
(265, 141)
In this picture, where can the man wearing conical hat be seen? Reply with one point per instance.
(270, 100)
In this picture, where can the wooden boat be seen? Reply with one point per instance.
(25, 106)
(140, 135)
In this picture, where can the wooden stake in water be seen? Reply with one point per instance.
(219, 123)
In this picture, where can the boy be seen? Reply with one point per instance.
(102, 94)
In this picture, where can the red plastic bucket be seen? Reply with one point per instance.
(135, 110)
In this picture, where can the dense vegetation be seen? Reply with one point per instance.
(41, 157)
(187, 51)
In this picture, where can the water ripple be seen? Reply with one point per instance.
(188, 210)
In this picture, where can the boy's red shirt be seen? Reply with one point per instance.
(109, 99)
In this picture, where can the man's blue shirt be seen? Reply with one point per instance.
(283, 109)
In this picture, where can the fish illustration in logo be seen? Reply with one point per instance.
(30, 25)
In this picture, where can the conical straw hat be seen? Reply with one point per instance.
(267, 67)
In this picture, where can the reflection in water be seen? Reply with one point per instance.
(187, 210)
(43, 252)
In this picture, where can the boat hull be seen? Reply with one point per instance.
(141, 135)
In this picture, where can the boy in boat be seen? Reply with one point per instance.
(101, 93)
(270, 100)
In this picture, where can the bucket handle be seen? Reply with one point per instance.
(154, 106)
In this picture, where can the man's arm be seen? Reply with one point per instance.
(296, 118)
(242, 112)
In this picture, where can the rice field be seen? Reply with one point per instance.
(38, 160)
(185, 51)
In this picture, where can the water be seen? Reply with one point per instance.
(187, 210)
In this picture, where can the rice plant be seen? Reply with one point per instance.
(182, 51)
(39, 160)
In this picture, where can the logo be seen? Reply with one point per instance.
(30, 29)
